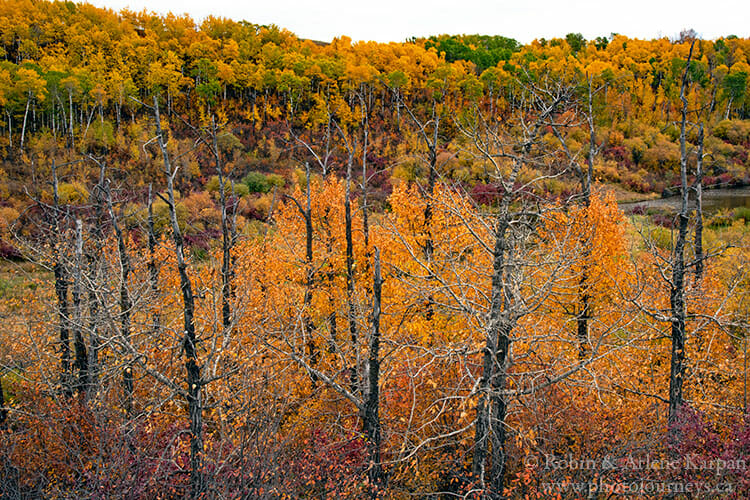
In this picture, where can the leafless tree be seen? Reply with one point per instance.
(510, 234)
(126, 302)
(585, 174)
(677, 282)
(190, 339)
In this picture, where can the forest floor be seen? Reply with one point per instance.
(17, 277)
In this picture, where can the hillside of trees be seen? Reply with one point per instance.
(239, 264)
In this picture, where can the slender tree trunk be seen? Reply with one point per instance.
(53, 116)
(330, 277)
(62, 122)
(398, 110)
(101, 125)
(88, 122)
(193, 370)
(351, 313)
(677, 293)
(81, 356)
(10, 130)
(63, 312)
(584, 308)
(153, 270)
(310, 272)
(584, 296)
(332, 317)
(125, 303)
(365, 208)
(371, 419)
(70, 104)
(93, 261)
(255, 110)
(431, 143)
(61, 290)
(226, 238)
(25, 115)
(729, 107)
(699, 208)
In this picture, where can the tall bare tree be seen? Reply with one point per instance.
(79, 345)
(126, 303)
(190, 338)
(228, 236)
(513, 230)
(585, 174)
(153, 269)
(61, 285)
(677, 281)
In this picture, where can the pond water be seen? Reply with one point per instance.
(713, 200)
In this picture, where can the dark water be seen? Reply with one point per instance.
(713, 200)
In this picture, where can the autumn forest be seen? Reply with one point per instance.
(235, 263)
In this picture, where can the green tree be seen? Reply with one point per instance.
(576, 42)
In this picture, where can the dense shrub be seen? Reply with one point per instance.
(257, 182)
(72, 193)
(620, 154)
(733, 131)
(240, 189)
(742, 213)
(662, 155)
